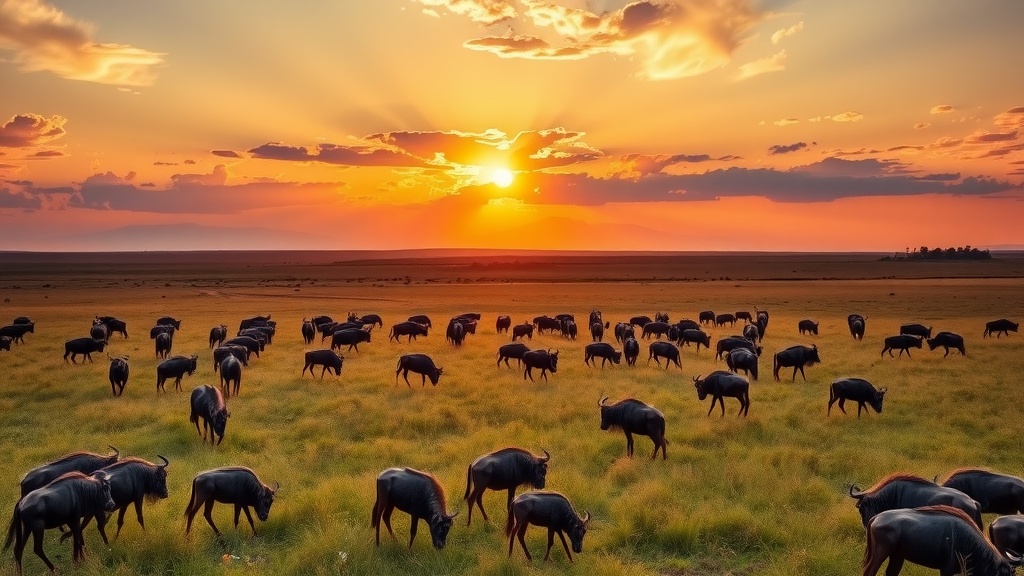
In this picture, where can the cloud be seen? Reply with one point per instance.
(45, 39)
(19, 200)
(26, 130)
(922, 125)
(785, 149)
(786, 122)
(773, 63)
(986, 136)
(226, 153)
(942, 109)
(848, 117)
(43, 154)
(787, 32)
(161, 163)
(484, 11)
(335, 154)
(632, 166)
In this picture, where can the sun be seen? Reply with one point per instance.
(502, 177)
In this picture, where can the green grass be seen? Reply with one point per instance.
(761, 495)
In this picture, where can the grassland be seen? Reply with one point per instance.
(761, 495)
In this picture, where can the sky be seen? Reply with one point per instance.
(782, 125)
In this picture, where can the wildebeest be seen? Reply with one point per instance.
(545, 360)
(264, 334)
(132, 480)
(308, 331)
(161, 329)
(169, 321)
(723, 319)
(909, 491)
(64, 501)
(421, 319)
(411, 329)
(455, 333)
(856, 390)
(5, 342)
(208, 405)
(916, 330)
(322, 319)
(720, 384)
(230, 371)
(328, 359)
(597, 332)
(163, 344)
(502, 324)
(666, 350)
(623, 330)
(82, 346)
(22, 320)
(372, 319)
(730, 343)
(602, 350)
(994, 493)
(796, 357)
(254, 321)
(514, 350)
(218, 334)
(118, 374)
(569, 329)
(947, 340)
(631, 349)
(115, 325)
(742, 359)
(857, 324)
(706, 317)
(352, 338)
(807, 326)
(761, 319)
(100, 332)
(235, 485)
(903, 343)
(565, 316)
(175, 367)
(938, 537)
(84, 462)
(419, 364)
(640, 321)
(1002, 326)
(416, 493)
(520, 330)
(545, 323)
(1007, 533)
(549, 510)
(253, 345)
(661, 317)
(635, 417)
(658, 329)
(743, 315)
(222, 352)
(694, 335)
(469, 326)
(505, 469)
(752, 332)
(687, 324)
(595, 316)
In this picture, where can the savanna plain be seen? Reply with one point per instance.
(765, 494)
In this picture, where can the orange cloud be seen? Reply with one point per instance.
(774, 63)
(848, 117)
(921, 125)
(483, 11)
(787, 32)
(25, 130)
(942, 109)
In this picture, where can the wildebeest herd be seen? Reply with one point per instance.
(905, 517)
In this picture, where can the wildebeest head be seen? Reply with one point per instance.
(554, 360)
(702, 390)
(266, 500)
(577, 531)
(220, 423)
(434, 375)
(193, 362)
(440, 524)
(606, 422)
(540, 471)
(108, 501)
(876, 400)
(812, 356)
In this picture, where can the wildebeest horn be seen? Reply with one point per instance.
(602, 401)
(117, 453)
(858, 495)
(546, 457)
(166, 463)
(696, 378)
(277, 486)
(1013, 558)
(586, 518)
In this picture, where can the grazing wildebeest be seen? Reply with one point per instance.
(163, 344)
(731, 343)
(995, 493)
(419, 364)
(603, 350)
(235, 485)
(416, 493)
(723, 319)
(222, 352)
(661, 317)
(545, 360)
(640, 321)
(264, 334)
(371, 319)
(720, 384)
(161, 329)
(16, 332)
(658, 329)
(218, 334)
(666, 350)
(635, 417)
(595, 316)
(687, 324)
(947, 340)
(84, 462)
(742, 359)
(132, 480)
(545, 323)
(694, 335)
(902, 343)
(857, 324)
(631, 348)
(308, 332)
(328, 359)
(997, 327)
(520, 330)
(549, 510)
(761, 319)
(352, 338)
(100, 332)
(706, 317)
(597, 332)
(505, 469)
(1007, 534)
(82, 346)
(856, 390)
(322, 319)
(938, 537)
(115, 325)
(796, 357)
(175, 367)
(208, 404)
(623, 330)
(253, 345)
(569, 329)
(167, 320)
(230, 371)
(807, 326)
(22, 320)
(909, 491)
(411, 329)
(5, 342)
(421, 319)
(118, 374)
(916, 330)
(64, 501)
(254, 321)
(455, 333)
(502, 324)
(752, 332)
(743, 315)
(673, 334)
(514, 350)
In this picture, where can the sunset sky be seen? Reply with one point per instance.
(563, 124)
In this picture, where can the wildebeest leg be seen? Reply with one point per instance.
(138, 515)
(405, 375)
(522, 525)
(37, 547)
(842, 405)
(676, 360)
(388, 509)
(423, 379)
(238, 383)
(89, 356)
(551, 542)
(208, 514)
(544, 373)
(894, 567)
(248, 517)
(528, 372)
(721, 404)
(77, 540)
(564, 545)
(412, 530)
(238, 511)
(712, 407)
(322, 372)
(629, 444)
(177, 383)
(745, 404)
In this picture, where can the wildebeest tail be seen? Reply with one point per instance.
(868, 547)
(374, 515)
(191, 499)
(510, 524)
(15, 526)
(469, 480)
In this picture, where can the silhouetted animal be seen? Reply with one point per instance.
(601, 350)
(687, 324)
(902, 343)
(544, 323)
(5, 342)
(235, 485)
(322, 319)
(1002, 326)
(410, 329)
(118, 375)
(176, 367)
(730, 343)
(908, 491)
(230, 371)
(100, 332)
(635, 417)
(723, 319)
(707, 317)
(455, 333)
(421, 319)
(1007, 534)
(857, 325)
(163, 344)
(631, 348)
(597, 332)
(569, 329)
(82, 346)
(372, 319)
(84, 462)
(504, 469)
(720, 384)
(208, 405)
(550, 510)
(167, 320)
(743, 315)
(132, 480)
(22, 320)
(514, 350)
(17, 332)
(742, 359)
(694, 335)
(254, 321)
(595, 316)
(916, 330)
(222, 352)
(544, 360)
(308, 332)
(115, 325)
(218, 334)
(351, 338)
(661, 317)
(752, 332)
(623, 331)
(796, 357)
(520, 330)
(666, 350)
(807, 327)
(416, 493)
(994, 493)
(328, 359)
(657, 329)
(419, 364)
(253, 345)
(857, 390)
(640, 321)
(947, 340)
(502, 324)
(161, 329)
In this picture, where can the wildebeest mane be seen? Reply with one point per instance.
(439, 494)
(898, 477)
(966, 470)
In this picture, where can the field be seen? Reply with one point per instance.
(762, 495)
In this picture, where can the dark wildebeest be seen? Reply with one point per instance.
(635, 417)
(597, 332)
(371, 319)
(687, 324)
(761, 319)
(264, 334)
(308, 332)
(505, 469)
(520, 330)
(62, 502)
(169, 321)
(22, 320)
(544, 323)
(623, 330)
(468, 325)
(222, 352)
(743, 315)
(640, 321)
(631, 348)
(175, 367)
(161, 329)
(857, 324)
(997, 327)
(208, 404)
(118, 374)
(698, 336)
(808, 327)
(752, 332)
(661, 317)
(132, 480)
(416, 493)
(545, 360)
(328, 359)
(235, 485)
(502, 324)
(455, 333)
(17, 332)
(731, 343)
(84, 462)
(253, 345)
(100, 332)
(742, 359)
(569, 329)
(548, 510)
(1007, 533)
(514, 350)
(218, 334)
(230, 371)
(673, 334)
(254, 321)
(410, 329)
(938, 537)
(419, 364)
(720, 384)
(564, 317)
(916, 330)
(5, 342)
(856, 390)
(658, 329)
(902, 343)
(421, 319)
(82, 346)
(352, 338)
(595, 316)
(115, 325)
(475, 316)
(163, 344)
(707, 317)
(947, 340)
(602, 350)
(909, 491)
(322, 319)
(995, 493)
(796, 357)
(666, 350)
(723, 319)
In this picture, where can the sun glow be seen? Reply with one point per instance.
(502, 177)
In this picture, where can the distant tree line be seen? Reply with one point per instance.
(958, 253)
